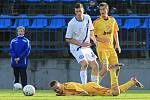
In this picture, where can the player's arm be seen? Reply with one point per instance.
(117, 46)
(83, 93)
(73, 41)
(11, 50)
(93, 37)
(103, 40)
(26, 51)
(74, 90)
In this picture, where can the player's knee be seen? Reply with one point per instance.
(84, 65)
(105, 67)
(95, 67)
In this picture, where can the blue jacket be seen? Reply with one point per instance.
(20, 48)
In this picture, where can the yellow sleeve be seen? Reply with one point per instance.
(116, 28)
(72, 89)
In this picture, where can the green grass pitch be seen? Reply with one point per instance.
(49, 95)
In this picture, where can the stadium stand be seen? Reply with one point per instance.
(40, 21)
(32, 1)
(5, 22)
(146, 23)
(48, 1)
(57, 21)
(131, 23)
(47, 20)
(23, 21)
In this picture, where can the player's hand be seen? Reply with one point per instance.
(17, 60)
(118, 49)
(103, 40)
(58, 94)
(96, 43)
(85, 44)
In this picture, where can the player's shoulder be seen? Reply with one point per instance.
(69, 85)
(111, 17)
(87, 16)
(96, 20)
(13, 40)
(26, 39)
(71, 21)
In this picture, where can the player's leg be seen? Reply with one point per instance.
(95, 71)
(114, 82)
(83, 71)
(81, 59)
(104, 91)
(131, 83)
(91, 57)
(96, 89)
(113, 59)
(102, 55)
(16, 74)
(23, 75)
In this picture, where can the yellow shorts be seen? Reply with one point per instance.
(107, 56)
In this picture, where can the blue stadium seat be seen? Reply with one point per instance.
(23, 21)
(124, 0)
(51, 0)
(57, 22)
(40, 21)
(132, 23)
(5, 21)
(146, 23)
(68, 1)
(84, 0)
(142, 0)
(34, 1)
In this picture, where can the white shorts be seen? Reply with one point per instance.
(84, 54)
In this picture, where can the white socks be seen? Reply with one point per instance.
(83, 76)
(94, 79)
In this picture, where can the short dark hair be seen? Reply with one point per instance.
(52, 83)
(78, 5)
(104, 4)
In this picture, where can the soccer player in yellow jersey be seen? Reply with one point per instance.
(90, 89)
(106, 31)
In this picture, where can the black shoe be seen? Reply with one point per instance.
(118, 70)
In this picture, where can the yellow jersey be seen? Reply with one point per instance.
(105, 29)
(72, 88)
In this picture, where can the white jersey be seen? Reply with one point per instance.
(79, 30)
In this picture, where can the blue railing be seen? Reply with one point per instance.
(48, 32)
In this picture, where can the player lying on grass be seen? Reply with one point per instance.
(92, 88)
(89, 89)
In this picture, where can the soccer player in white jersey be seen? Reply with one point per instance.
(79, 32)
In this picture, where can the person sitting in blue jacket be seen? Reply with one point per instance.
(19, 51)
